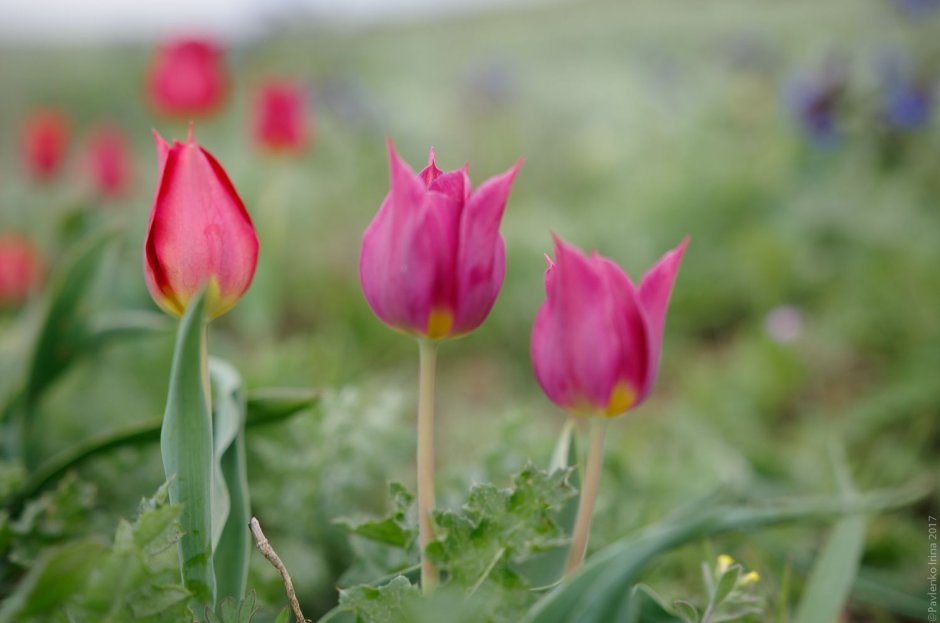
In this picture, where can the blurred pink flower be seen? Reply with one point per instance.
(597, 338)
(199, 233)
(44, 141)
(432, 260)
(108, 160)
(784, 324)
(188, 78)
(281, 119)
(21, 269)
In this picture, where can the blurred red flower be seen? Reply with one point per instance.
(188, 78)
(109, 160)
(281, 118)
(45, 139)
(21, 269)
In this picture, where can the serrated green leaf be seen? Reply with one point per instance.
(187, 450)
(383, 604)
(482, 543)
(394, 529)
(154, 600)
(55, 577)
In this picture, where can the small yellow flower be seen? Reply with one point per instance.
(749, 578)
(724, 563)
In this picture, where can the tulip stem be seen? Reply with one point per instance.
(589, 486)
(427, 362)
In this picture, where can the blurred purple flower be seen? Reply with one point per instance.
(906, 97)
(917, 8)
(814, 100)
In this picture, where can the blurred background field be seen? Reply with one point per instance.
(778, 136)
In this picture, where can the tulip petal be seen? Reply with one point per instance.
(631, 327)
(654, 293)
(481, 261)
(199, 233)
(406, 258)
(582, 328)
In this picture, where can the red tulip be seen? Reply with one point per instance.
(108, 160)
(188, 78)
(597, 338)
(433, 260)
(281, 120)
(199, 233)
(21, 269)
(44, 141)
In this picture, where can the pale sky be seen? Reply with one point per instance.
(71, 21)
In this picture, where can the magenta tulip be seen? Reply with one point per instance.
(597, 338)
(199, 233)
(108, 160)
(21, 269)
(433, 260)
(45, 140)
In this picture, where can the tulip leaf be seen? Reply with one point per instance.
(61, 336)
(830, 580)
(264, 406)
(232, 541)
(187, 450)
(598, 591)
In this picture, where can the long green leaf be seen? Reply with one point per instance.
(599, 592)
(232, 548)
(186, 446)
(265, 406)
(830, 580)
(62, 334)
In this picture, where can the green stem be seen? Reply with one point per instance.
(591, 480)
(427, 361)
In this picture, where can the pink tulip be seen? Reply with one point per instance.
(597, 338)
(108, 161)
(187, 78)
(433, 260)
(21, 269)
(199, 232)
(44, 141)
(281, 120)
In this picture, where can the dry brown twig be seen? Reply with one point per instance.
(262, 542)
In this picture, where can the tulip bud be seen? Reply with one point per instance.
(433, 260)
(199, 233)
(44, 141)
(21, 269)
(281, 120)
(108, 161)
(597, 338)
(187, 78)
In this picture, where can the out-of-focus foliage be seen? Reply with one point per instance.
(805, 309)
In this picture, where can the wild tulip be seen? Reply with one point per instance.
(433, 260)
(199, 233)
(188, 78)
(21, 269)
(281, 118)
(432, 263)
(45, 139)
(108, 161)
(596, 345)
